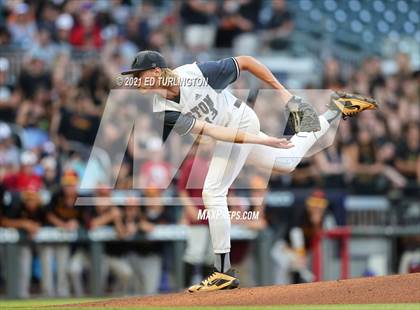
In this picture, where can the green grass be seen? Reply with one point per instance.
(46, 303)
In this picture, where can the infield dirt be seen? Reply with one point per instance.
(375, 290)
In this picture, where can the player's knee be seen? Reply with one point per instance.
(213, 198)
(290, 168)
(286, 167)
(207, 195)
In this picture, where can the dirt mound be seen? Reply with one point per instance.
(389, 289)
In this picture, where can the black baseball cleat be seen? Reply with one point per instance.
(302, 116)
(350, 104)
(216, 281)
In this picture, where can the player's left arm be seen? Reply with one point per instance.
(184, 124)
(228, 134)
(259, 70)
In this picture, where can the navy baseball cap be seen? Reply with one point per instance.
(146, 60)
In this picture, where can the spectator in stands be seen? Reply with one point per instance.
(31, 116)
(124, 175)
(410, 258)
(279, 27)
(44, 47)
(172, 27)
(119, 11)
(22, 25)
(133, 253)
(63, 25)
(65, 75)
(95, 83)
(144, 130)
(290, 253)
(404, 66)
(333, 162)
(418, 171)
(131, 250)
(332, 78)
(305, 174)
(248, 39)
(26, 178)
(148, 17)
(237, 18)
(358, 83)
(34, 76)
(371, 174)
(198, 255)
(146, 259)
(371, 68)
(77, 122)
(380, 133)
(2, 246)
(50, 173)
(102, 214)
(8, 98)
(5, 39)
(9, 154)
(28, 216)
(114, 260)
(334, 168)
(125, 47)
(199, 28)
(158, 41)
(409, 104)
(156, 171)
(137, 31)
(86, 34)
(242, 251)
(61, 213)
(408, 154)
(117, 53)
(387, 95)
(115, 263)
(47, 17)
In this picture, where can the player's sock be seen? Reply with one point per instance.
(222, 262)
(331, 114)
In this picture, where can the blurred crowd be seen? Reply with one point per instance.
(375, 152)
(58, 62)
(59, 26)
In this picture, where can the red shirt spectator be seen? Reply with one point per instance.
(86, 34)
(25, 179)
(155, 172)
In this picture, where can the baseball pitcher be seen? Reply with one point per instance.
(193, 108)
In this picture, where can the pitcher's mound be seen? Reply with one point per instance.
(375, 290)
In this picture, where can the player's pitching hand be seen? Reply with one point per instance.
(280, 143)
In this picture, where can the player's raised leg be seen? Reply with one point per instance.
(285, 160)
